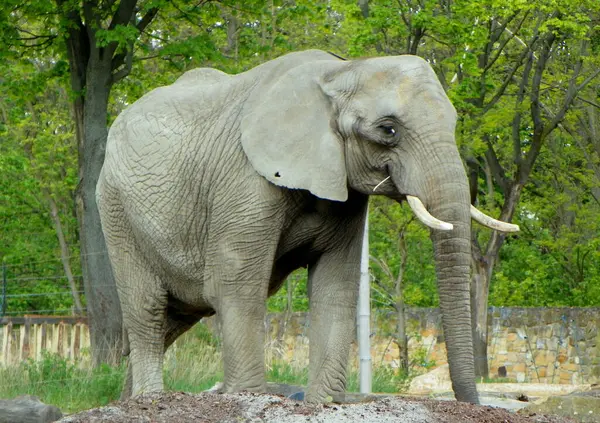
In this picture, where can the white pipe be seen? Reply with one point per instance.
(364, 315)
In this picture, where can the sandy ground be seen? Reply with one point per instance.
(176, 407)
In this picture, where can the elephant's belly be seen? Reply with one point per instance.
(180, 261)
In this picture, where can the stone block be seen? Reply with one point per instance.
(570, 367)
(552, 344)
(27, 409)
(513, 357)
(519, 367)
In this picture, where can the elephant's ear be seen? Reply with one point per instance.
(289, 139)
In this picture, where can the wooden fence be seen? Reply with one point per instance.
(29, 336)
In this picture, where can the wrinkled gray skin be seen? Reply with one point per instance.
(215, 188)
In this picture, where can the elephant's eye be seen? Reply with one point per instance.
(385, 131)
(388, 130)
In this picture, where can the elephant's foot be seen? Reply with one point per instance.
(147, 390)
(149, 382)
(321, 396)
(127, 384)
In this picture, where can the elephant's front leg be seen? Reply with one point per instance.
(334, 281)
(243, 323)
(240, 278)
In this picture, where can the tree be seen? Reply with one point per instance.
(99, 39)
(522, 50)
(392, 287)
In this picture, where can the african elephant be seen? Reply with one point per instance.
(216, 187)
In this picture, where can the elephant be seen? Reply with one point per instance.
(218, 186)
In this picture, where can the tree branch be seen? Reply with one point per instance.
(500, 92)
(146, 19)
(127, 65)
(123, 14)
(534, 95)
(516, 123)
(572, 92)
(495, 167)
(512, 35)
(124, 60)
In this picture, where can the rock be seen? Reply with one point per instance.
(217, 387)
(27, 409)
(583, 409)
(593, 392)
(437, 380)
(286, 390)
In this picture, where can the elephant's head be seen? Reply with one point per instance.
(378, 126)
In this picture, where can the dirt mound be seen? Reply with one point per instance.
(176, 407)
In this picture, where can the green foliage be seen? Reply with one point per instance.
(283, 372)
(38, 162)
(419, 283)
(553, 261)
(56, 381)
(296, 282)
(420, 358)
(385, 379)
(193, 363)
(556, 259)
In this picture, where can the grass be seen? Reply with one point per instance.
(192, 364)
(56, 381)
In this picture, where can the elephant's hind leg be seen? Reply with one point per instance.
(143, 303)
(141, 294)
(176, 325)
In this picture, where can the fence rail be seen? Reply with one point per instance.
(27, 337)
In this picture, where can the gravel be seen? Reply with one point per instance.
(176, 407)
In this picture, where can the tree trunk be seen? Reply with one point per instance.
(93, 70)
(480, 282)
(482, 269)
(401, 338)
(64, 254)
(364, 8)
(103, 307)
(232, 36)
(92, 75)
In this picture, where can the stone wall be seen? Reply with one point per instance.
(539, 345)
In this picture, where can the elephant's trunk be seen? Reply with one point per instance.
(448, 200)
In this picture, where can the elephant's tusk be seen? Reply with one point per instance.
(379, 184)
(492, 223)
(423, 215)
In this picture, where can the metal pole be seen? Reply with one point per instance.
(3, 302)
(364, 315)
